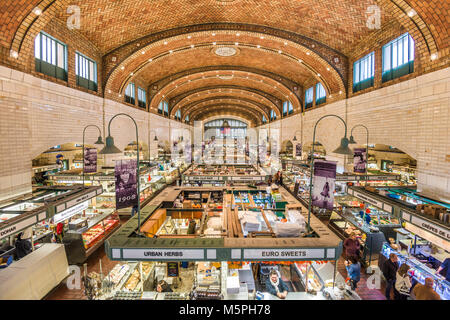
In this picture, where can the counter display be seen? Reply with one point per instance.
(87, 232)
(418, 271)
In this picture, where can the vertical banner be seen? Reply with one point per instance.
(262, 152)
(323, 182)
(126, 183)
(90, 160)
(188, 152)
(298, 150)
(359, 160)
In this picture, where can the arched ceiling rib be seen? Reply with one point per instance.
(202, 104)
(239, 93)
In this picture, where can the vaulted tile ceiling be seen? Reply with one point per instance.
(211, 57)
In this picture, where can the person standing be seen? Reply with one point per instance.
(403, 282)
(276, 286)
(354, 271)
(389, 268)
(426, 291)
(445, 269)
(352, 246)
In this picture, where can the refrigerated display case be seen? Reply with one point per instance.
(87, 233)
(418, 271)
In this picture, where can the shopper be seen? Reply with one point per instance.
(280, 178)
(23, 247)
(352, 246)
(389, 269)
(354, 271)
(270, 180)
(276, 286)
(163, 286)
(444, 269)
(426, 291)
(403, 283)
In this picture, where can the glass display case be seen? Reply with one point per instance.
(87, 232)
(418, 270)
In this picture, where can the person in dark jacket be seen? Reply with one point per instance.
(276, 286)
(23, 247)
(389, 270)
(163, 286)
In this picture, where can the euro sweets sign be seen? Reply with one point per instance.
(126, 183)
(323, 184)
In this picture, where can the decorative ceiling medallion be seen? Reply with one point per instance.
(226, 51)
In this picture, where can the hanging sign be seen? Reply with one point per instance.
(359, 160)
(90, 160)
(298, 150)
(163, 254)
(284, 254)
(66, 214)
(173, 269)
(323, 184)
(126, 183)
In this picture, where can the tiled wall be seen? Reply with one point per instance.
(413, 116)
(36, 114)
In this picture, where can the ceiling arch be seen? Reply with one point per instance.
(237, 93)
(180, 86)
(284, 57)
(225, 99)
(227, 109)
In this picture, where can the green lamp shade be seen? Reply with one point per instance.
(156, 138)
(352, 140)
(342, 149)
(110, 148)
(99, 141)
(295, 138)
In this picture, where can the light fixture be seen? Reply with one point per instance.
(214, 43)
(300, 60)
(150, 60)
(143, 52)
(279, 51)
(122, 67)
(434, 56)
(411, 13)
(308, 53)
(213, 34)
(37, 11)
(343, 148)
(110, 148)
(328, 69)
(156, 138)
(352, 140)
(258, 46)
(236, 43)
(318, 74)
(170, 51)
(295, 138)
(14, 54)
(238, 34)
(340, 92)
(131, 74)
(189, 37)
(99, 141)
(261, 37)
(165, 42)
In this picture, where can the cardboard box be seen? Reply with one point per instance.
(187, 204)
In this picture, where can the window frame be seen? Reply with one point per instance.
(142, 92)
(81, 80)
(130, 99)
(50, 68)
(388, 55)
(320, 99)
(357, 65)
(309, 104)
